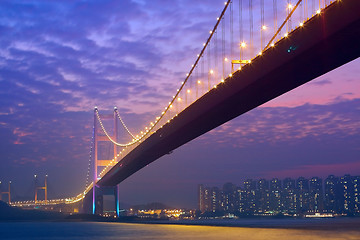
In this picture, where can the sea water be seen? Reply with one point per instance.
(107, 231)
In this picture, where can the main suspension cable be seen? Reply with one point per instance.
(135, 140)
(123, 124)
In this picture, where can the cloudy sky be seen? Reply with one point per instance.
(60, 59)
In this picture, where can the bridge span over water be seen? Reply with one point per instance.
(322, 41)
(326, 42)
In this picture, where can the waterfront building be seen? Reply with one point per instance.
(302, 191)
(289, 197)
(331, 196)
(263, 196)
(275, 195)
(338, 195)
(315, 195)
(356, 183)
(209, 199)
(250, 196)
(347, 201)
(241, 194)
(229, 198)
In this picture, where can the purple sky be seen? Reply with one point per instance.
(60, 59)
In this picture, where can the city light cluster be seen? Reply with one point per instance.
(300, 197)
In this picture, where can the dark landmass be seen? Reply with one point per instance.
(8, 213)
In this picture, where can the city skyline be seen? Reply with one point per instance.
(59, 60)
(289, 196)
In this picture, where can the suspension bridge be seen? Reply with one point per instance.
(254, 53)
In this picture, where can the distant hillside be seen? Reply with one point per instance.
(8, 213)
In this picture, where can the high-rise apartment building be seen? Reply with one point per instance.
(303, 196)
(230, 200)
(289, 197)
(315, 195)
(263, 196)
(250, 195)
(346, 188)
(275, 195)
(302, 191)
(209, 199)
(331, 196)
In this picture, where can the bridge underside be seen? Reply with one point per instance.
(326, 42)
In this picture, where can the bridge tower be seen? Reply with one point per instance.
(101, 162)
(41, 188)
(8, 193)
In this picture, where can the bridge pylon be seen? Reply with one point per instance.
(7, 193)
(101, 162)
(40, 188)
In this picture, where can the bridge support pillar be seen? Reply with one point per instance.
(101, 206)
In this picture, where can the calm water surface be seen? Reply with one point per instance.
(106, 231)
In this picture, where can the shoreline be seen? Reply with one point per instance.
(333, 224)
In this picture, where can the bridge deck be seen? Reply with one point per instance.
(326, 42)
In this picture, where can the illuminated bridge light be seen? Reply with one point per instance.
(241, 45)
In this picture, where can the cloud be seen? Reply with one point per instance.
(60, 59)
(313, 170)
(321, 83)
(280, 124)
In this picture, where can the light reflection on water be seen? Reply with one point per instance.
(107, 231)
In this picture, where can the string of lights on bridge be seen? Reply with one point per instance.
(220, 63)
(177, 98)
